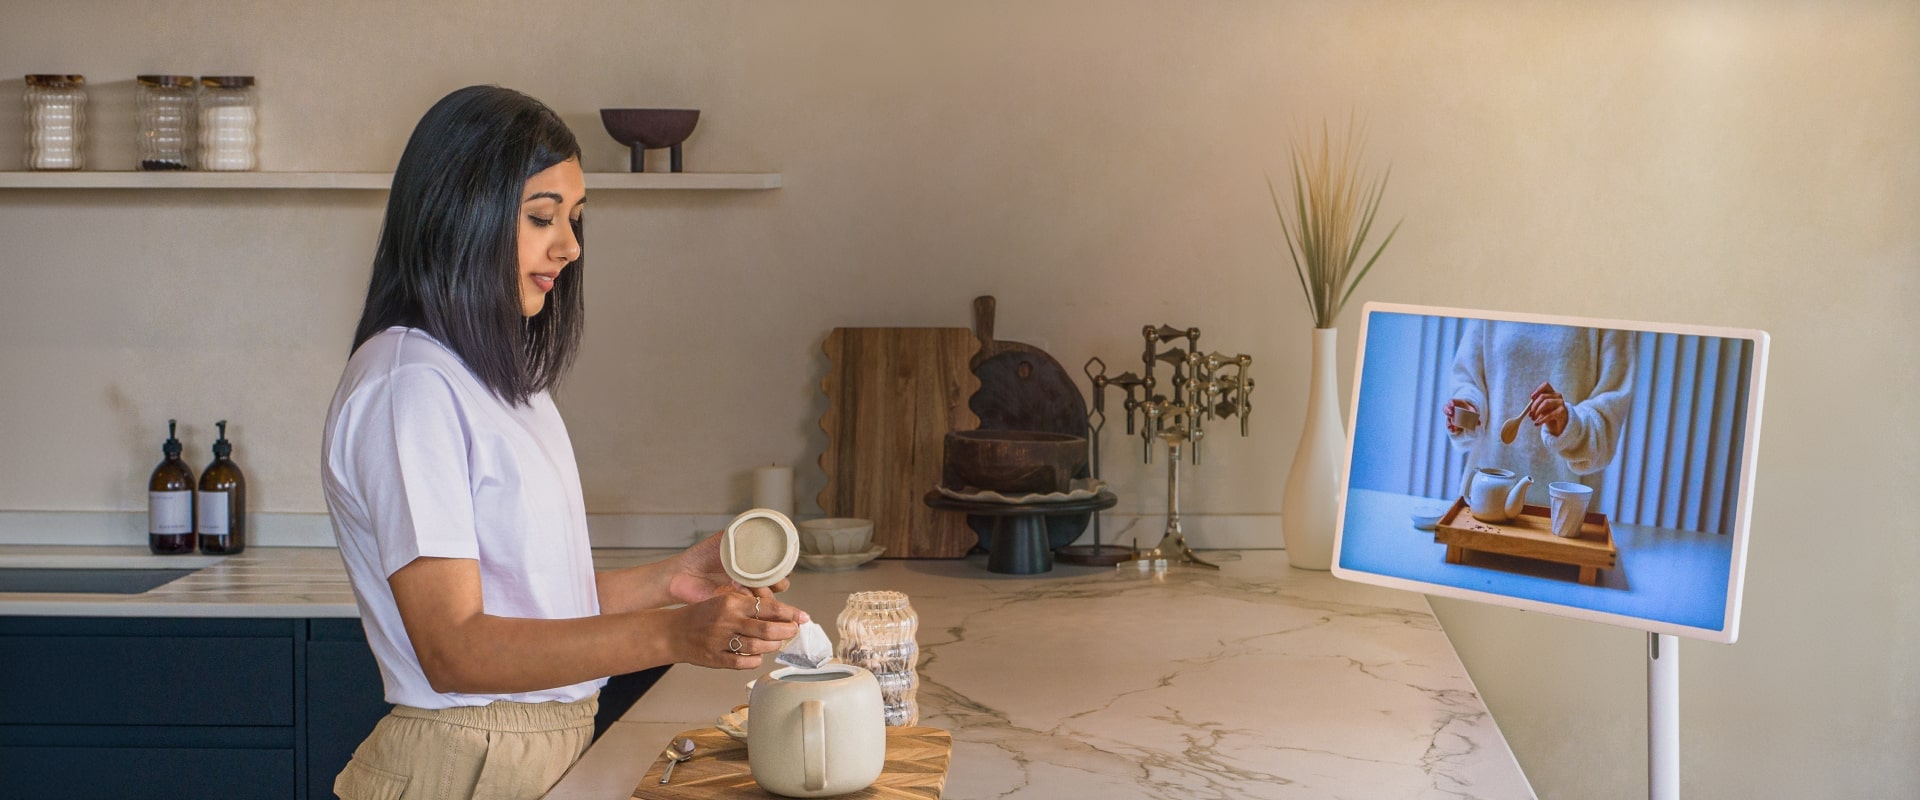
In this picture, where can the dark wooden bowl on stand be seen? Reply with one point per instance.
(644, 129)
(1014, 462)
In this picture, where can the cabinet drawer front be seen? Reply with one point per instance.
(159, 680)
(119, 773)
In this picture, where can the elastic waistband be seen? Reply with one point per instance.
(508, 716)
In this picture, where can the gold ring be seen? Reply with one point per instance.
(756, 606)
(733, 646)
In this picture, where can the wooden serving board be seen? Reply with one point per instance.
(1529, 535)
(892, 396)
(916, 768)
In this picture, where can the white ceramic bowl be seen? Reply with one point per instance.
(835, 536)
(1427, 517)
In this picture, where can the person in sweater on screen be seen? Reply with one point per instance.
(1573, 387)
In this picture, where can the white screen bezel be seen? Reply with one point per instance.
(1743, 505)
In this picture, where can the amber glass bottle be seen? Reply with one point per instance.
(223, 501)
(170, 501)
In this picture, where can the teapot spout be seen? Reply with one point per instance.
(1517, 499)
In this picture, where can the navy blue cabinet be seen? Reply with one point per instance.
(343, 699)
(116, 708)
(194, 708)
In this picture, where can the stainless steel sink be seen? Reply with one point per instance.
(95, 573)
(86, 581)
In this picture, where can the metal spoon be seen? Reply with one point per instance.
(680, 750)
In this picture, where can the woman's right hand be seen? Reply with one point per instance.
(705, 633)
(1472, 419)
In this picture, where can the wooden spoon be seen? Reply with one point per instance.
(1510, 429)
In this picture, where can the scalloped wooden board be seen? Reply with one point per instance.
(892, 396)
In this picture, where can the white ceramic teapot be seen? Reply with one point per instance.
(816, 732)
(1495, 495)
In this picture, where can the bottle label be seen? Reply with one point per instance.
(213, 514)
(170, 513)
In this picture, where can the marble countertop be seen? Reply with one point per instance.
(1257, 681)
(1252, 682)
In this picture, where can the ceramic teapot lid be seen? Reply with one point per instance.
(759, 548)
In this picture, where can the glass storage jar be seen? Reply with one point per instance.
(56, 121)
(877, 633)
(166, 104)
(227, 123)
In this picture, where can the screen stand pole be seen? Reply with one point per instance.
(1663, 717)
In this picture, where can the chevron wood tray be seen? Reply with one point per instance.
(916, 769)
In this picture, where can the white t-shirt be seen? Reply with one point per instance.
(420, 459)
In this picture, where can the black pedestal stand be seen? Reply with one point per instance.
(1020, 531)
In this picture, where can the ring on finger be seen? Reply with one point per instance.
(756, 607)
(733, 646)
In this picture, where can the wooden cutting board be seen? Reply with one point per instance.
(916, 769)
(892, 396)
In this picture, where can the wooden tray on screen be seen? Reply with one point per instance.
(1529, 535)
(916, 769)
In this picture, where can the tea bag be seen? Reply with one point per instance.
(807, 650)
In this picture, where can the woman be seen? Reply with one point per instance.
(452, 485)
(1575, 385)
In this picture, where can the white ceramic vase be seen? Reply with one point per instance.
(1311, 502)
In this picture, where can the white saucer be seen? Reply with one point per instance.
(734, 723)
(1426, 517)
(822, 562)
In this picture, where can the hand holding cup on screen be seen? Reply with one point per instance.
(1461, 415)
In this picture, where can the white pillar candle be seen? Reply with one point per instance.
(773, 488)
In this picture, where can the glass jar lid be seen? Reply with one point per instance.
(227, 81)
(56, 81)
(167, 81)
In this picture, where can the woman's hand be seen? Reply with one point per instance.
(697, 575)
(1471, 418)
(1547, 408)
(725, 632)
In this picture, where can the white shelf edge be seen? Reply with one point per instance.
(371, 181)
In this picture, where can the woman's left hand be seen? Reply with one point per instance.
(697, 574)
(1547, 408)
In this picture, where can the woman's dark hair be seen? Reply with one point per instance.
(448, 261)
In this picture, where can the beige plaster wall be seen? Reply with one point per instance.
(1097, 165)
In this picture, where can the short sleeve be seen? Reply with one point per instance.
(409, 459)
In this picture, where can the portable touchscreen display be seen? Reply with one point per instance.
(1595, 469)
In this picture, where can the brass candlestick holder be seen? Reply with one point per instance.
(1206, 386)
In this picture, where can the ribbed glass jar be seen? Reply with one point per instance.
(877, 633)
(228, 120)
(167, 112)
(56, 122)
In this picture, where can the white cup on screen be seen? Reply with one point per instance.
(1569, 502)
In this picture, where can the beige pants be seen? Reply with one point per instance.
(503, 750)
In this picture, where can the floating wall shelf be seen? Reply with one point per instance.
(374, 181)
